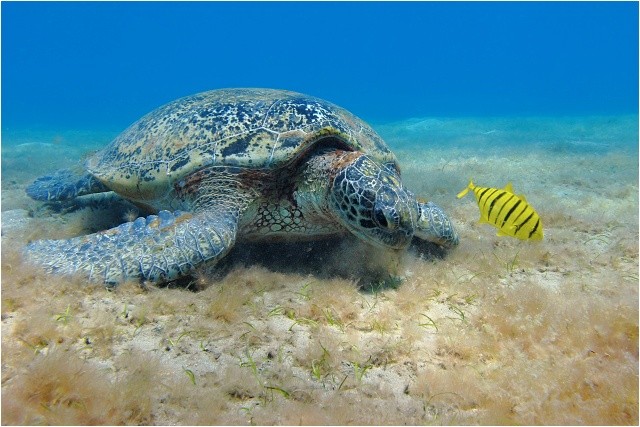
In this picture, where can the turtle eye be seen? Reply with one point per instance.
(380, 218)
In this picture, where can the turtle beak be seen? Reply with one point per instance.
(433, 225)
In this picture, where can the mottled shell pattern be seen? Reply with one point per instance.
(253, 128)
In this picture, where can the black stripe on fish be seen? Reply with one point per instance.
(481, 192)
(493, 203)
(487, 198)
(515, 221)
(502, 207)
(481, 195)
(524, 222)
(504, 221)
(535, 227)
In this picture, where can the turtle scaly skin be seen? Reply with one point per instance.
(256, 163)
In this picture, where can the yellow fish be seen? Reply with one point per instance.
(508, 212)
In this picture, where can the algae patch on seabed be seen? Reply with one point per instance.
(497, 331)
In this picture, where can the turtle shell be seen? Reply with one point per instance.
(252, 128)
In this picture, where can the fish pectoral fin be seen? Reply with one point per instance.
(508, 231)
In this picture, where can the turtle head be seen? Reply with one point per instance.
(371, 202)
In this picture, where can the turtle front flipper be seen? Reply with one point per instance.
(435, 226)
(157, 248)
(64, 185)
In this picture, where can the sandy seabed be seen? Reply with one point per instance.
(497, 331)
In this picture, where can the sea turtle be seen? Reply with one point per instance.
(236, 163)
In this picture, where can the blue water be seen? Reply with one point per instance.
(103, 65)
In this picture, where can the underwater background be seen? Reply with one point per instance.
(497, 331)
(88, 65)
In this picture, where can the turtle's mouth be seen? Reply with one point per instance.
(380, 231)
(396, 240)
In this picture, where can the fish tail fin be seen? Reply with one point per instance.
(466, 190)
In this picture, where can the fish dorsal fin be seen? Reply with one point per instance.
(509, 188)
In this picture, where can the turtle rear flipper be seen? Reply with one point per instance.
(64, 185)
(159, 248)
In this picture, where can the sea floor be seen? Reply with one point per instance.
(497, 331)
